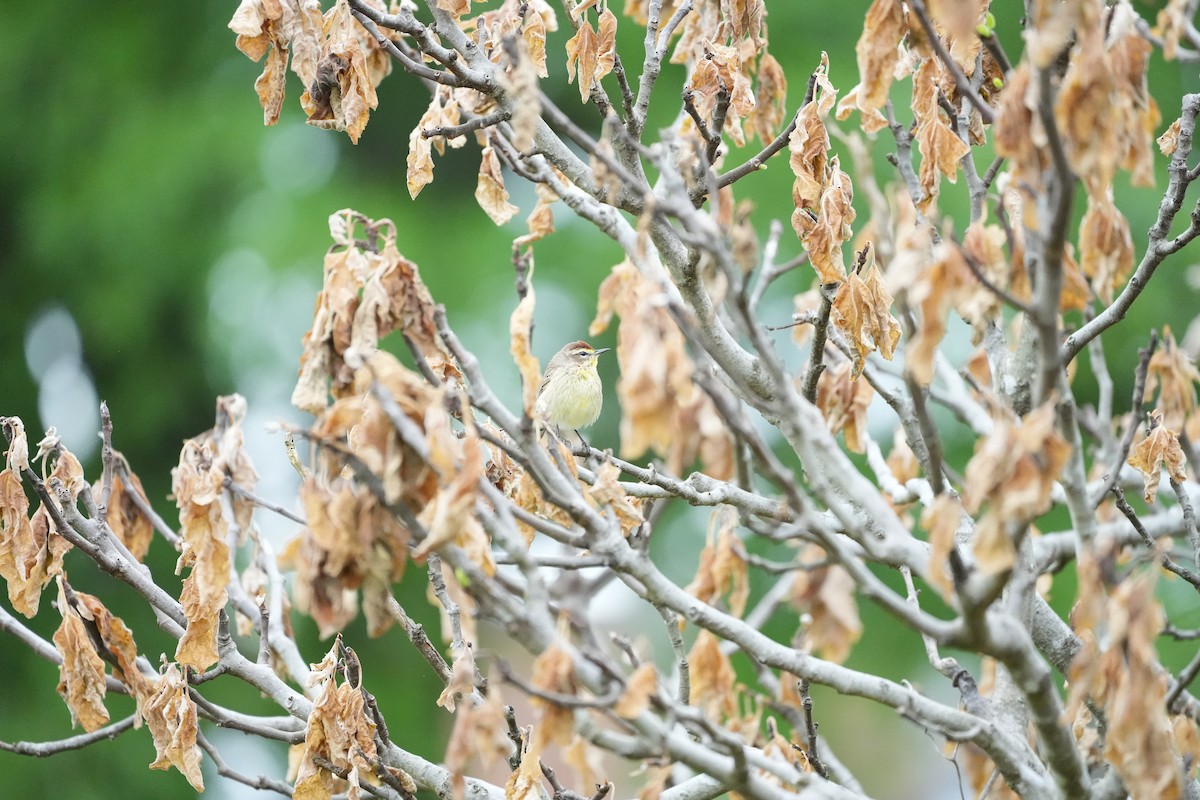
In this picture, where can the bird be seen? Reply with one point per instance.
(571, 394)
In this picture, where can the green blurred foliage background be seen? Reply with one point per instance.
(146, 205)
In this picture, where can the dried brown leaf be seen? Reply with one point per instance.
(1159, 450)
(172, 718)
(863, 313)
(843, 400)
(81, 681)
(640, 687)
(826, 594)
(489, 190)
(661, 406)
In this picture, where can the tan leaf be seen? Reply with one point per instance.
(1174, 376)
(520, 331)
(824, 232)
(641, 686)
(451, 519)
(941, 520)
(340, 730)
(826, 594)
(554, 673)
(126, 519)
(17, 455)
(1139, 733)
(607, 492)
(713, 678)
(490, 192)
(420, 156)
(583, 56)
(342, 94)
(661, 406)
(541, 219)
(606, 43)
(723, 569)
(770, 100)
(521, 82)
(31, 549)
(81, 674)
(1169, 139)
(1159, 450)
(878, 51)
(462, 679)
(197, 485)
(369, 290)
(1012, 473)
(1105, 247)
(172, 718)
(533, 34)
(252, 22)
(457, 8)
(843, 400)
(863, 313)
(940, 147)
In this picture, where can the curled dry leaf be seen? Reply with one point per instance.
(279, 28)
(722, 569)
(641, 686)
(720, 72)
(342, 95)
(541, 220)
(1104, 108)
(125, 517)
(661, 406)
(824, 234)
(1159, 450)
(197, 484)
(826, 595)
(450, 517)
(81, 681)
(173, 721)
(809, 144)
(444, 111)
(713, 678)
(480, 730)
(340, 730)
(770, 100)
(1169, 139)
(520, 335)
(31, 549)
(369, 290)
(352, 539)
(607, 493)
(940, 146)
(844, 400)
(456, 8)
(462, 678)
(1012, 473)
(489, 189)
(1105, 246)
(1119, 670)
(862, 311)
(554, 673)
(937, 280)
(878, 52)
(1174, 376)
(520, 81)
(591, 53)
(941, 520)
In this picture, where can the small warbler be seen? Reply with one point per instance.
(571, 394)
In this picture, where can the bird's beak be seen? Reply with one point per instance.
(602, 350)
